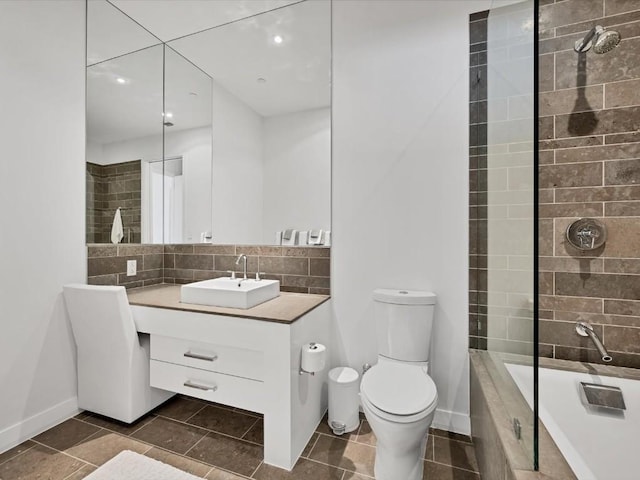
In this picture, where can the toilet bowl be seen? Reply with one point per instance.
(399, 400)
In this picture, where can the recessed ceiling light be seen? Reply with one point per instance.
(121, 80)
(278, 39)
(261, 80)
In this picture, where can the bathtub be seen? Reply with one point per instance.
(597, 445)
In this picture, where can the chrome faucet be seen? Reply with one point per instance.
(586, 330)
(243, 257)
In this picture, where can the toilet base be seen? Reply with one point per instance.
(389, 465)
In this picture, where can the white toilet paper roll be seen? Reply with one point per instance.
(314, 357)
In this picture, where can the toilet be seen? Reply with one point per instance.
(398, 397)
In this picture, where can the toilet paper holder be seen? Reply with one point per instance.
(312, 346)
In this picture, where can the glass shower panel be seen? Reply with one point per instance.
(510, 206)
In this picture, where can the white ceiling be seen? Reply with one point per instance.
(170, 19)
(297, 71)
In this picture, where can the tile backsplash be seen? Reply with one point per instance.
(299, 269)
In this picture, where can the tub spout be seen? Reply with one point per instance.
(586, 330)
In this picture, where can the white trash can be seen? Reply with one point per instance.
(344, 400)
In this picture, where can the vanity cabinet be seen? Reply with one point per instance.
(243, 362)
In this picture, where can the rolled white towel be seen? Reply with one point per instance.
(117, 232)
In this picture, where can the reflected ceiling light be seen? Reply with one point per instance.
(193, 94)
(168, 114)
(121, 80)
(261, 80)
(278, 39)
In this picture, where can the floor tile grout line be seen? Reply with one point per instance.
(193, 446)
(250, 428)
(190, 417)
(67, 454)
(73, 473)
(453, 466)
(312, 446)
(18, 454)
(256, 470)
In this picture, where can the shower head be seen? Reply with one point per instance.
(600, 39)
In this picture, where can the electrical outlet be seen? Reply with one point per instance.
(131, 268)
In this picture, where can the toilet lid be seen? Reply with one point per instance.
(398, 389)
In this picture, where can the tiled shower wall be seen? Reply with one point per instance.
(299, 269)
(590, 167)
(110, 187)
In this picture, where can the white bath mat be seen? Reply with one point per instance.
(128, 465)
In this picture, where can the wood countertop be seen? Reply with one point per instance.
(286, 308)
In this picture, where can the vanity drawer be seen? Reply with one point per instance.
(206, 356)
(215, 387)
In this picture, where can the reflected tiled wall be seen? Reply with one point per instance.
(110, 187)
(590, 167)
(299, 269)
(478, 181)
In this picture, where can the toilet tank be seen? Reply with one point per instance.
(404, 319)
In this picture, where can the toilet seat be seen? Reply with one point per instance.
(399, 392)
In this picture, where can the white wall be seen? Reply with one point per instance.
(237, 170)
(297, 172)
(42, 187)
(400, 176)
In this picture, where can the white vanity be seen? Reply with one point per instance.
(243, 358)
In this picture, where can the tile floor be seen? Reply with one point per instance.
(217, 443)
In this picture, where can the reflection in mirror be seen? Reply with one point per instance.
(187, 151)
(124, 128)
(271, 121)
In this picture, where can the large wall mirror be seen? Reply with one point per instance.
(222, 136)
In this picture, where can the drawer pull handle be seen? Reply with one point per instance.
(209, 358)
(208, 388)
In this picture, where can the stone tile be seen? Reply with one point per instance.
(570, 175)
(105, 445)
(622, 65)
(622, 209)
(15, 451)
(169, 260)
(355, 457)
(478, 16)
(131, 250)
(597, 194)
(185, 464)
(545, 241)
(141, 275)
(107, 265)
(546, 77)
(179, 408)
(311, 252)
(590, 355)
(261, 250)
(622, 339)
(622, 307)
(569, 11)
(228, 453)
(306, 282)
(285, 265)
(66, 434)
(622, 265)
(184, 249)
(101, 251)
(571, 264)
(217, 474)
(597, 123)
(572, 142)
(570, 210)
(310, 444)
(152, 261)
(571, 304)
(319, 291)
(194, 262)
(320, 267)
(365, 434)
(111, 279)
(622, 172)
(629, 137)
(622, 94)
(214, 249)
(324, 428)
(598, 153)
(478, 31)
(355, 476)
(564, 333)
(256, 433)
(40, 462)
(303, 470)
(612, 286)
(546, 128)
(613, 7)
(571, 100)
(437, 471)
(623, 237)
(117, 426)
(598, 318)
(223, 421)
(82, 473)
(170, 435)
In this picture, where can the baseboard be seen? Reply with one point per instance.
(38, 423)
(452, 421)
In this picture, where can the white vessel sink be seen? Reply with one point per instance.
(227, 292)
